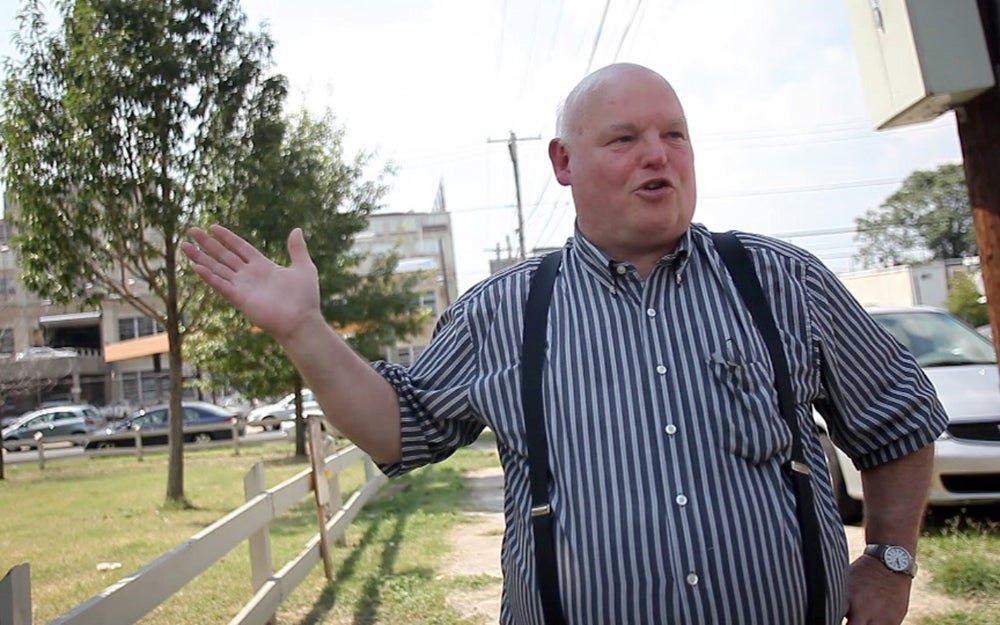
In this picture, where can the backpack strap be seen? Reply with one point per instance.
(533, 347)
(741, 269)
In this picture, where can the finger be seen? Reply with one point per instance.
(224, 287)
(236, 244)
(298, 251)
(201, 259)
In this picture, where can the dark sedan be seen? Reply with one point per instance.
(203, 422)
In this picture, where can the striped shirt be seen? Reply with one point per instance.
(666, 442)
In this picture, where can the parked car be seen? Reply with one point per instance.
(153, 426)
(962, 365)
(271, 416)
(54, 422)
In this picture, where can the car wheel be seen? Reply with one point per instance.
(105, 445)
(269, 424)
(202, 437)
(851, 510)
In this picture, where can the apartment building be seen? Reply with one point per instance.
(53, 352)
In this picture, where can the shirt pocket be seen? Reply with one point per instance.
(751, 424)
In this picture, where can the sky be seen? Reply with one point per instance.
(783, 141)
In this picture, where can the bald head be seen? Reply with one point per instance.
(568, 123)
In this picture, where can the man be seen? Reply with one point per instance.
(665, 441)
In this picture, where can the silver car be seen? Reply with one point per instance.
(962, 365)
(276, 415)
(61, 423)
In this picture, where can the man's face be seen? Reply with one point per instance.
(628, 158)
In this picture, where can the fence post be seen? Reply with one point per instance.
(336, 501)
(40, 446)
(138, 444)
(236, 437)
(321, 491)
(15, 596)
(261, 567)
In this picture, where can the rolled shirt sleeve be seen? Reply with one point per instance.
(880, 404)
(435, 413)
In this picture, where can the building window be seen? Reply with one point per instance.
(7, 286)
(6, 340)
(429, 301)
(406, 355)
(134, 327)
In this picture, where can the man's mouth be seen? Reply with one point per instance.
(654, 185)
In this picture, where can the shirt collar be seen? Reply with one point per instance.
(609, 270)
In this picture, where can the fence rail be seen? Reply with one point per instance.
(137, 594)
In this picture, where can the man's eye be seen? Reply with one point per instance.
(623, 139)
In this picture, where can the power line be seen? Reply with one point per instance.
(628, 26)
(597, 39)
(807, 189)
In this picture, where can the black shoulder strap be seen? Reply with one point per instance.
(536, 319)
(741, 268)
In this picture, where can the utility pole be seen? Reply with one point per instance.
(979, 133)
(512, 148)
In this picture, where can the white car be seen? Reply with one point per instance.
(962, 365)
(271, 416)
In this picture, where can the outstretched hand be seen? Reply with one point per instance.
(276, 299)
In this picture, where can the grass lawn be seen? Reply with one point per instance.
(962, 555)
(76, 514)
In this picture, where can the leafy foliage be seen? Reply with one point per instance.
(964, 300)
(303, 179)
(929, 217)
(120, 129)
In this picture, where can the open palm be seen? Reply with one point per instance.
(275, 298)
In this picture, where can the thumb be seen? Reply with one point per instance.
(298, 251)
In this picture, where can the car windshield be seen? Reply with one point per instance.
(937, 339)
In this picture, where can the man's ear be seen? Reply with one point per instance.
(560, 161)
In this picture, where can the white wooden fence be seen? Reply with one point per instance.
(137, 594)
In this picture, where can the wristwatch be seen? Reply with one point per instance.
(895, 558)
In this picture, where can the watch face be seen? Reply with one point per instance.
(896, 558)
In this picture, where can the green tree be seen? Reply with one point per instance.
(965, 300)
(928, 215)
(120, 129)
(305, 180)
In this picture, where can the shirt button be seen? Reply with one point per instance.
(692, 579)
(681, 500)
(670, 429)
(661, 369)
(621, 269)
(651, 312)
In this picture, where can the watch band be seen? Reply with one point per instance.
(896, 558)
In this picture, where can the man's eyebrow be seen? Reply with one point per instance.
(622, 127)
(631, 127)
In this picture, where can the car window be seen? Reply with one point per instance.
(64, 416)
(938, 339)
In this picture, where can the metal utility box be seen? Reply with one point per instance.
(919, 58)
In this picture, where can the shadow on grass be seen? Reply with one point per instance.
(432, 490)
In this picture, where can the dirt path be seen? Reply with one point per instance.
(476, 544)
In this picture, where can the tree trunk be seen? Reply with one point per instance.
(300, 421)
(175, 467)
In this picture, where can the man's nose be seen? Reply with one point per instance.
(654, 153)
